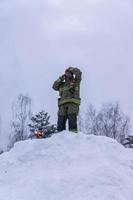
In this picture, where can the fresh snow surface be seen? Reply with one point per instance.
(67, 166)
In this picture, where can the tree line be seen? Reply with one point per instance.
(24, 123)
(109, 121)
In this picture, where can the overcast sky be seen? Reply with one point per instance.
(39, 39)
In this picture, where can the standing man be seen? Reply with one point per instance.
(68, 86)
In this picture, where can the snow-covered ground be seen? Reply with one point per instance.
(67, 167)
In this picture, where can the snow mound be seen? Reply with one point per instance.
(66, 167)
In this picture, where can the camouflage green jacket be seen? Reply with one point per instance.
(69, 91)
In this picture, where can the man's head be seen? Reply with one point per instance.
(68, 74)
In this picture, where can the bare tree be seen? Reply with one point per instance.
(1, 151)
(90, 118)
(0, 125)
(113, 122)
(110, 121)
(21, 111)
(80, 122)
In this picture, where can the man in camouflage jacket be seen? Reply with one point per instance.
(68, 86)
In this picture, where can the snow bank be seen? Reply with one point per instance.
(67, 167)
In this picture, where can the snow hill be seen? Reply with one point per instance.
(67, 167)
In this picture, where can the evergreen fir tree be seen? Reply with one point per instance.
(40, 122)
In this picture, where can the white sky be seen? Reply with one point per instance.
(39, 39)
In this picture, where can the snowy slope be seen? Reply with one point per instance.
(67, 167)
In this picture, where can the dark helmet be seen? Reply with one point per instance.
(68, 70)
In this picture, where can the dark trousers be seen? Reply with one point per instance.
(72, 122)
(68, 111)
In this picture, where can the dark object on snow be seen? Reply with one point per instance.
(129, 141)
(1, 151)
